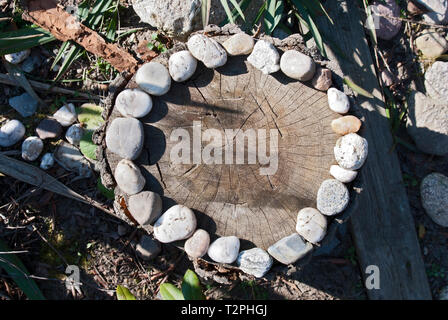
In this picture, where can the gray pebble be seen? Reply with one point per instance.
(265, 57)
(148, 248)
(24, 104)
(256, 262)
(11, 133)
(71, 159)
(297, 65)
(177, 223)
(74, 134)
(182, 65)
(133, 103)
(207, 50)
(17, 57)
(145, 207)
(153, 78)
(125, 137)
(239, 44)
(129, 177)
(49, 129)
(197, 245)
(311, 225)
(224, 249)
(332, 197)
(66, 115)
(32, 148)
(47, 161)
(351, 151)
(434, 195)
(290, 249)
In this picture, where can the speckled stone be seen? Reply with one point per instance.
(32, 148)
(351, 151)
(256, 262)
(322, 79)
(11, 133)
(197, 245)
(332, 197)
(125, 137)
(265, 57)
(133, 103)
(437, 11)
(145, 207)
(153, 78)
(297, 65)
(239, 44)
(343, 175)
(224, 249)
(386, 28)
(436, 80)
(311, 225)
(431, 44)
(338, 101)
(434, 196)
(345, 125)
(182, 65)
(207, 50)
(177, 223)
(290, 249)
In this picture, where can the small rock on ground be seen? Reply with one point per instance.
(49, 129)
(431, 44)
(265, 57)
(386, 28)
(74, 134)
(66, 115)
(148, 248)
(239, 44)
(434, 196)
(71, 159)
(332, 197)
(351, 151)
(11, 133)
(297, 65)
(182, 65)
(145, 207)
(224, 249)
(124, 137)
(17, 57)
(47, 161)
(311, 225)
(133, 103)
(343, 175)
(338, 101)
(129, 177)
(177, 223)
(256, 262)
(322, 79)
(345, 125)
(32, 148)
(24, 104)
(154, 78)
(197, 245)
(437, 11)
(207, 50)
(436, 80)
(290, 249)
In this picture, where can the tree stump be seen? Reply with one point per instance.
(234, 199)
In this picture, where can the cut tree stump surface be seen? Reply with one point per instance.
(231, 199)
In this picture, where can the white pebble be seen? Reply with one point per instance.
(47, 161)
(66, 115)
(224, 249)
(207, 50)
(256, 262)
(197, 245)
(311, 225)
(182, 65)
(239, 44)
(128, 177)
(343, 175)
(32, 148)
(153, 78)
(338, 101)
(297, 65)
(351, 151)
(11, 133)
(133, 103)
(265, 57)
(177, 223)
(74, 134)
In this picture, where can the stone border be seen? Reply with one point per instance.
(333, 196)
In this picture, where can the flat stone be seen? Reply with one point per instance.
(224, 249)
(145, 207)
(386, 28)
(66, 115)
(32, 148)
(47, 161)
(124, 137)
(129, 177)
(351, 151)
(148, 248)
(49, 129)
(290, 249)
(177, 223)
(174, 17)
(332, 197)
(197, 245)
(434, 195)
(11, 133)
(338, 101)
(431, 44)
(297, 65)
(17, 57)
(345, 125)
(427, 123)
(133, 103)
(311, 225)
(24, 104)
(71, 159)
(74, 134)
(239, 44)
(207, 50)
(256, 262)
(265, 57)
(438, 11)
(436, 80)
(182, 65)
(322, 79)
(154, 78)
(31, 63)
(343, 175)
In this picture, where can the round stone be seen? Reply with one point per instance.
(256, 262)
(69, 157)
(32, 148)
(434, 195)
(47, 161)
(343, 175)
(297, 65)
(436, 80)
(148, 248)
(431, 44)
(338, 101)
(239, 44)
(128, 177)
(386, 28)
(265, 57)
(207, 50)
(351, 151)
(290, 249)
(322, 79)
(311, 225)
(124, 137)
(74, 134)
(66, 115)
(197, 245)
(145, 207)
(345, 125)
(17, 57)
(133, 103)
(11, 133)
(177, 223)
(332, 197)
(437, 11)
(224, 249)
(49, 129)
(182, 65)
(153, 78)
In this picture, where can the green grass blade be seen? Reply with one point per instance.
(316, 8)
(22, 39)
(243, 4)
(18, 272)
(205, 12)
(357, 88)
(238, 9)
(273, 15)
(61, 51)
(73, 53)
(226, 7)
